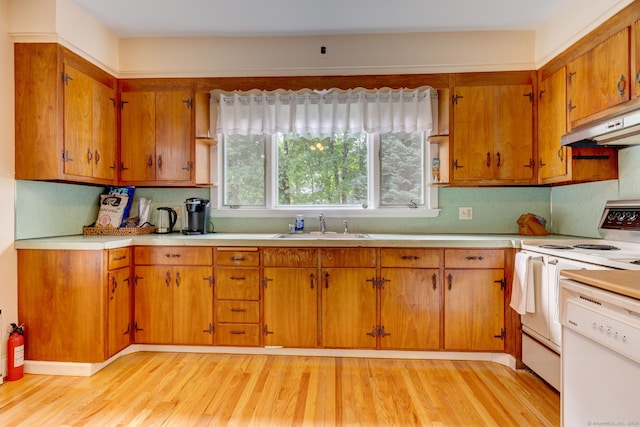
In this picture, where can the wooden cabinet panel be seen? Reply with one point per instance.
(173, 136)
(237, 284)
(348, 307)
(474, 258)
(552, 124)
(173, 304)
(65, 116)
(137, 136)
(192, 305)
(153, 306)
(119, 317)
(291, 307)
(173, 255)
(65, 313)
(493, 134)
(348, 257)
(238, 334)
(238, 311)
(410, 257)
(599, 79)
(289, 257)
(410, 308)
(244, 257)
(474, 310)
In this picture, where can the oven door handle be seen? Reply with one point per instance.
(553, 262)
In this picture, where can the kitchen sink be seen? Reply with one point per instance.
(320, 236)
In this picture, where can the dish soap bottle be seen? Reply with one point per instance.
(299, 224)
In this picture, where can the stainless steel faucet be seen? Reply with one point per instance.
(346, 228)
(323, 224)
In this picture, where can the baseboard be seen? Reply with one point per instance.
(88, 369)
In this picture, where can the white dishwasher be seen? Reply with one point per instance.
(600, 357)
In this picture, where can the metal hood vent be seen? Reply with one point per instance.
(618, 131)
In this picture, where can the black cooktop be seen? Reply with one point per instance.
(556, 247)
(596, 247)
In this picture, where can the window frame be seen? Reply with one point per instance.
(430, 208)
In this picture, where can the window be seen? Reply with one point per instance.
(316, 152)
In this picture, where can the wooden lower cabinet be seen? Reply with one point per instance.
(474, 300)
(291, 307)
(119, 317)
(173, 305)
(62, 301)
(237, 297)
(349, 307)
(410, 309)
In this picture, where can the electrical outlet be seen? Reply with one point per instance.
(465, 213)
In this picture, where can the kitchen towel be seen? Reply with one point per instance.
(523, 291)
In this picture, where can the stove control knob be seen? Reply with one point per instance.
(632, 216)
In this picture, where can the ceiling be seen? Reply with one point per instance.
(247, 18)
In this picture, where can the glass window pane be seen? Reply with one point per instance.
(322, 170)
(244, 170)
(401, 168)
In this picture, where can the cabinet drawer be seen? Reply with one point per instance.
(474, 258)
(118, 258)
(237, 284)
(237, 311)
(348, 257)
(239, 256)
(410, 257)
(238, 334)
(289, 257)
(173, 255)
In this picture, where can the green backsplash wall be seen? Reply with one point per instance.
(52, 209)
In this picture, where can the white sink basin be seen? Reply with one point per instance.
(316, 235)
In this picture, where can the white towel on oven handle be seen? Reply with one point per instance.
(523, 298)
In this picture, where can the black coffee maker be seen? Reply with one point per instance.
(198, 216)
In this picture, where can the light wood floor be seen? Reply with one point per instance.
(221, 390)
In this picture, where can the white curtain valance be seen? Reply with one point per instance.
(324, 112)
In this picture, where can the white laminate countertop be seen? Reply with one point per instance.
(81, 242)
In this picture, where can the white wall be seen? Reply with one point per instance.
(8, 261)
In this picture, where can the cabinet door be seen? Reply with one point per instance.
(552, 116)
(137, 136)
(78, 122)
(513, 133)
(173, 136)
(119, 320)
(192, 305)
(635, 68)
(291, 307)
(473, 133)
(410, 308)
(474, 310)
(104, 131)
(603, 71)
(153, 305)
(348, 307)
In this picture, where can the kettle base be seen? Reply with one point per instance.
(190, 232)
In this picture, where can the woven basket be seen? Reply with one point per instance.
(122, 231)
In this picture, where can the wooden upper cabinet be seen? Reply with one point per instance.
(599, 79)
(552, 124)
(493, 134)
(558, 164)
(156, 137)
(65, 116)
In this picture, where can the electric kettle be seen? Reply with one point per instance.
(165, 220)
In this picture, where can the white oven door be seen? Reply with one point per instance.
(537, 324)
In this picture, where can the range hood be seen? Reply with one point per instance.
(617, 131)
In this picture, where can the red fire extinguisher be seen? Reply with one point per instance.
(15, 353)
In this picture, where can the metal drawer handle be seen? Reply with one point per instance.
(238, 333)
(475, 258)
(238, 258)
(119, 258)
(238, 310)
(410, 257)
(172, 255)
(238, 278)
